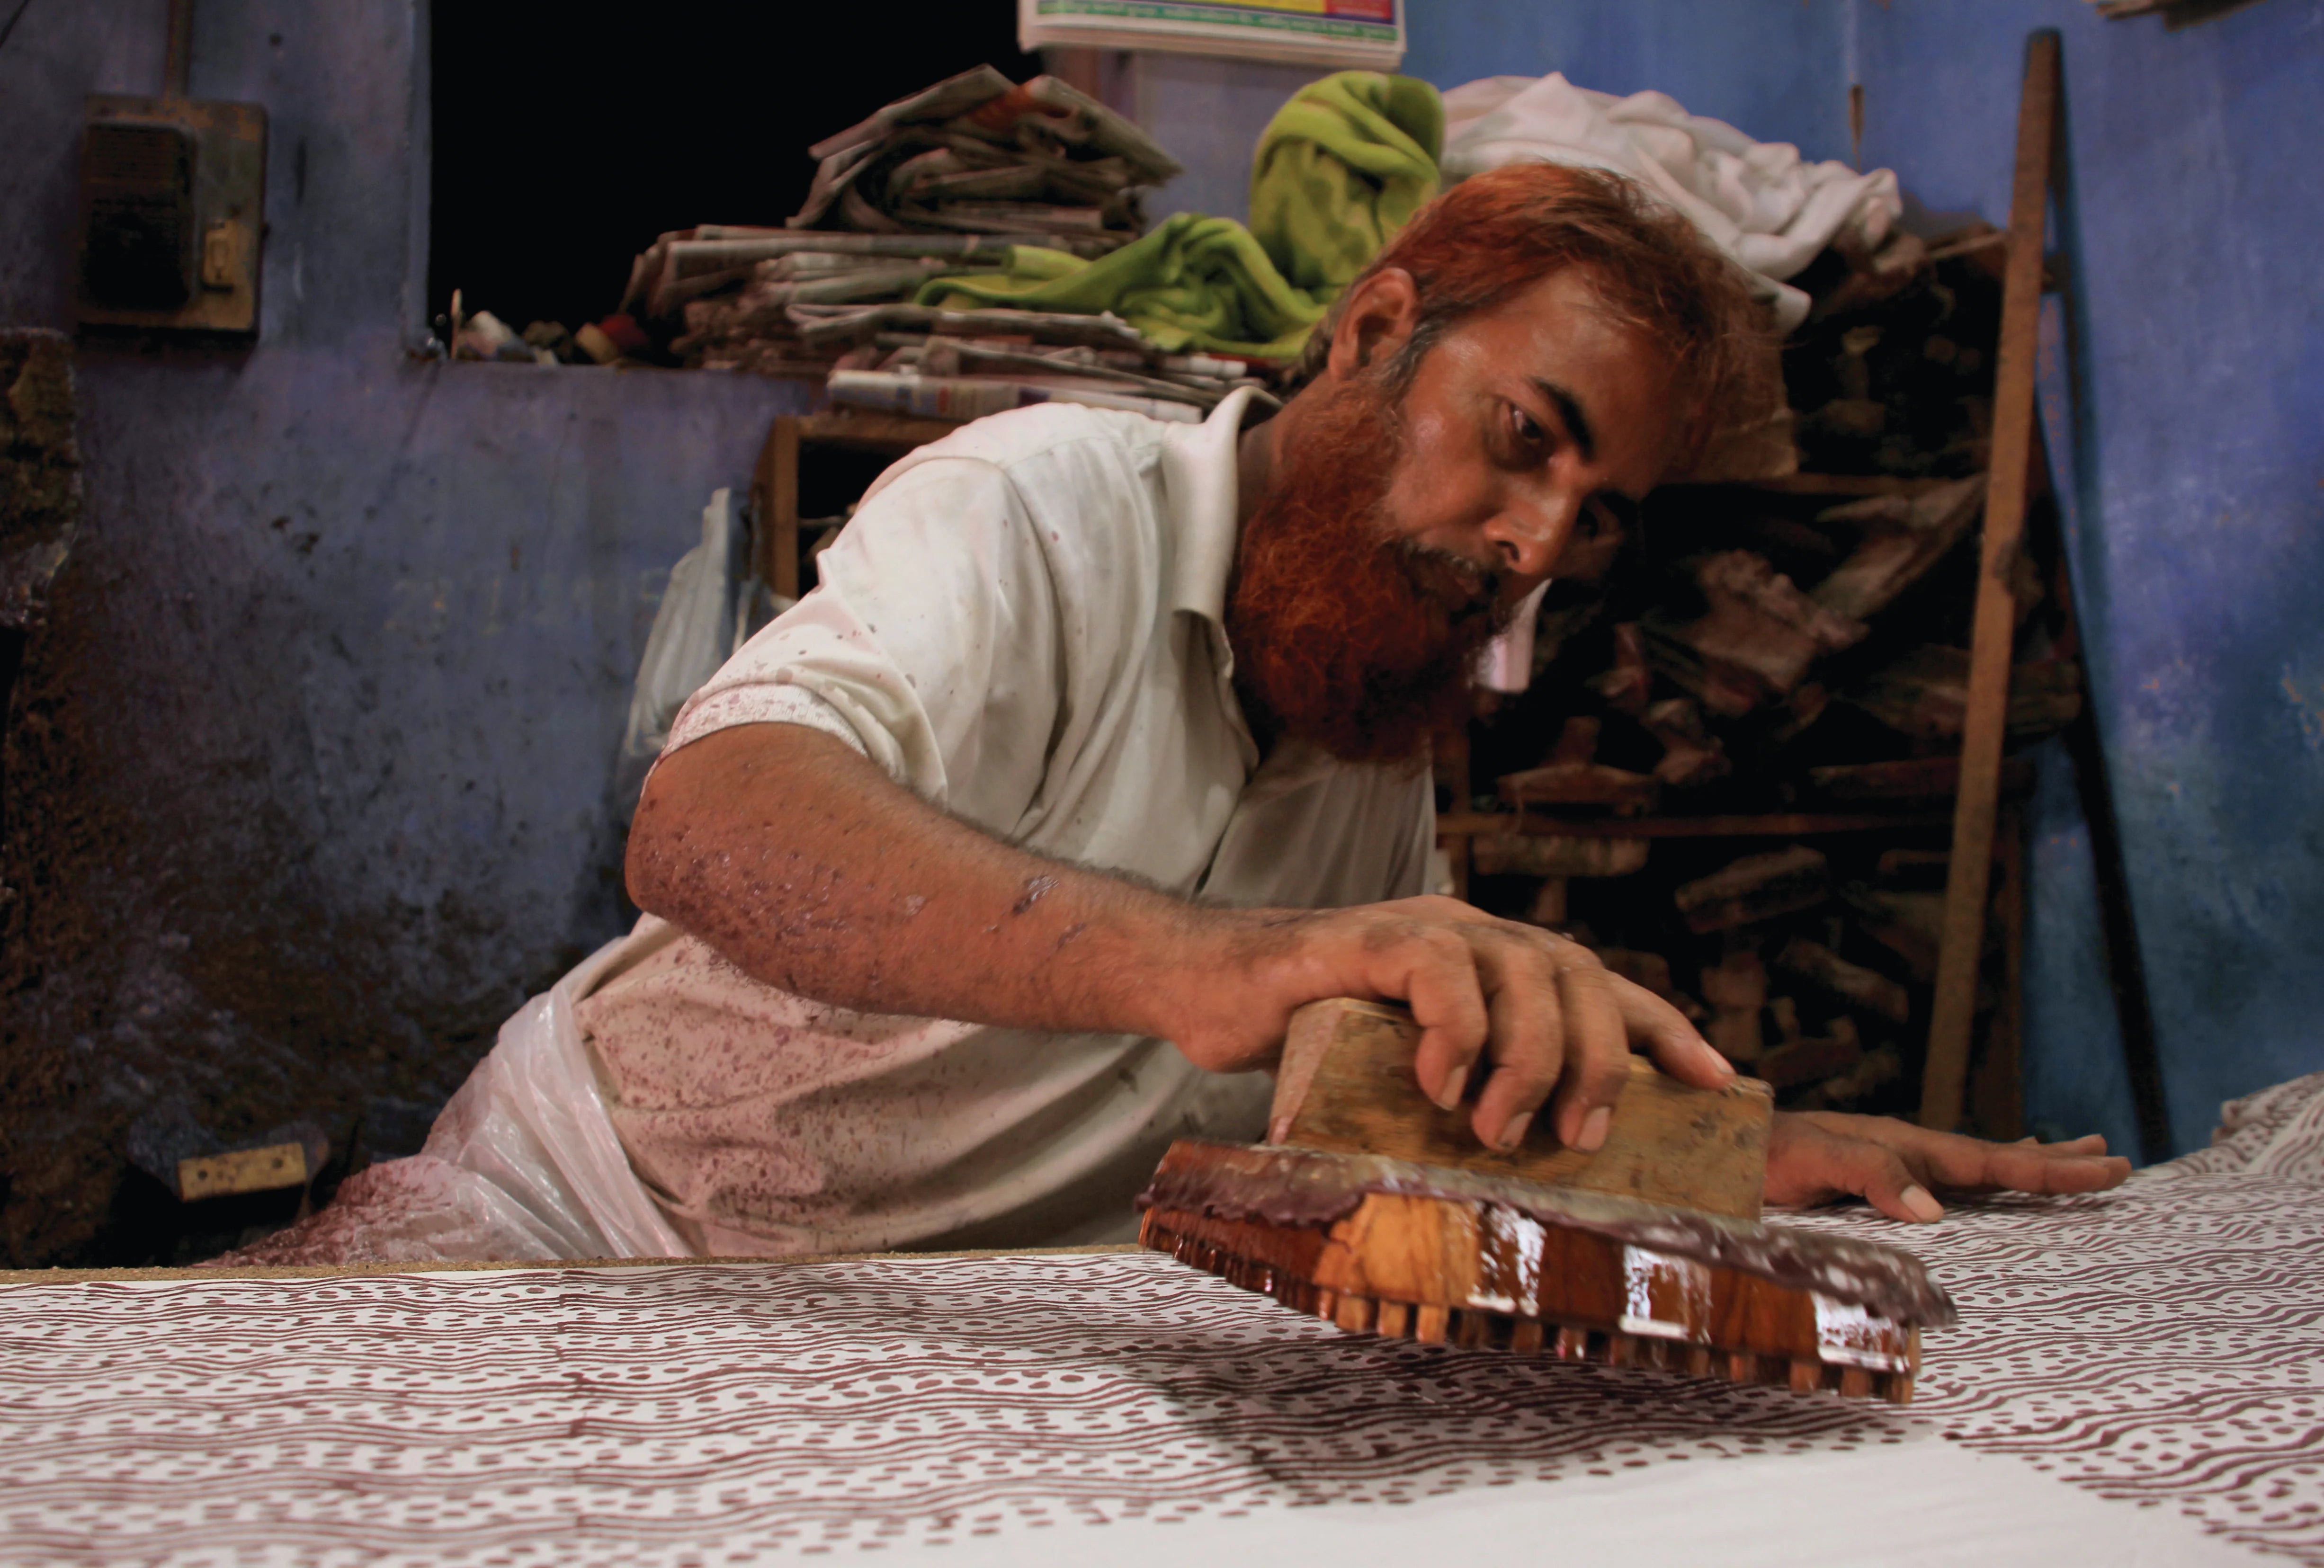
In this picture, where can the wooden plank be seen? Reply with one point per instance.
(1345, 1084)
(1828, 484)
(775, 481)
(1962, 945)
(1795, 824)
(898, 433)
(775, 496)
(1914, 779)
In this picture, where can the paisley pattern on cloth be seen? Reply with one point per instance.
(2162, 1345)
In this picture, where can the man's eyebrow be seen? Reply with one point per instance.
(1568, 409)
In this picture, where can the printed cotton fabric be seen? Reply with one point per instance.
(2137, 1377)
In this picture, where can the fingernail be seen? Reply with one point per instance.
(1924, 1208)
(1448, 1092)
(1514, 1133)
(1592, 1136)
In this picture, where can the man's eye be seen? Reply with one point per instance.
(1529, 433)
(1610, 515)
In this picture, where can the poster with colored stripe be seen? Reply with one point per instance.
(1362, 34)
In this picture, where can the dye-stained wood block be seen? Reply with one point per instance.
(247, 1170)
(1345, 1084)
(1476, 1276)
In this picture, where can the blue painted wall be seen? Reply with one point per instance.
(1209, 113)
(2193, 220)
(340, 659)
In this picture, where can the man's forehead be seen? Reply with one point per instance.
(1559, 339)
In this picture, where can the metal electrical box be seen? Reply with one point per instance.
(172, 213)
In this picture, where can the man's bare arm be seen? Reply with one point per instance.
(808, 867)
(803, 864)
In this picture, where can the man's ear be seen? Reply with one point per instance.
(1377, 320)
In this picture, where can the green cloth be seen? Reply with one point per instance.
(1192, 283)
(1339, 168)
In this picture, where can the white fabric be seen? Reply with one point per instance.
(1023, 624)
(1914, 1503)
(1760, 202)
(1506, 663)
(696, 628)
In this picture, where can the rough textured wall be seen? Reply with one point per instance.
(312, 781)
(2192, 224)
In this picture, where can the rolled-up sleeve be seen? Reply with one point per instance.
(932, 640)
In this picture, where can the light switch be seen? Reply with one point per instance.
(219, 249)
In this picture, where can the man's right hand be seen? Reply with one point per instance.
(1536, 1012)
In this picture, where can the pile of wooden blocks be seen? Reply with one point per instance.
(1733, 770)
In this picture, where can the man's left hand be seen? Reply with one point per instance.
(1815, 1157)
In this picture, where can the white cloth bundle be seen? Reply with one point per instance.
(1760, 202)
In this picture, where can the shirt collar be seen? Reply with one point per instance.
(1200, 468)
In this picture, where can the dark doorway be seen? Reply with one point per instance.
(567, 139)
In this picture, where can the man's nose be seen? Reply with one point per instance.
(1528, 536)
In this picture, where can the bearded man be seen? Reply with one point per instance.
(1003, 859)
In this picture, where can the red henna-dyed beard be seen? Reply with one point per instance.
(1344, 634)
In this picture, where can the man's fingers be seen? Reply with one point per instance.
(1597, 1057)
(1434, 972)
(1529, 1047)
(1676, 1045)
(1884, 1181)
(2072, 1173)
(1971, 1164)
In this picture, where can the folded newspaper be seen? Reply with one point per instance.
(964, 179)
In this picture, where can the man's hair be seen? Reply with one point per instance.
(1492, 235)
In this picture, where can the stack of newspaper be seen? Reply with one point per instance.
(962, 364)
(978, 154)
(732, 288)
(946, 182)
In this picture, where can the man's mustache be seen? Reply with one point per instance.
(1464, 589)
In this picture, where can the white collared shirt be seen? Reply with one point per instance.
(1023, 624)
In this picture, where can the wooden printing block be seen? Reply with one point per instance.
(1345, 1084)
(1867, 989)
(1757, 630)
(1382, 1215)
(1758, 887)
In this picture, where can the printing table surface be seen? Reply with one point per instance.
(2138, 1377)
